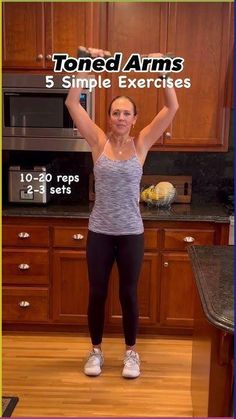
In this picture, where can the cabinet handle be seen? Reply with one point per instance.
(78, 236)
(24, 304)
(189, 239)
(23, 266)
(166, 264)
(39, 57)
(167, 135)
(48, 57)
(23, 235)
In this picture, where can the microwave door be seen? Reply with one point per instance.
(41, 113)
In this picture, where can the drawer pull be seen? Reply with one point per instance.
(24, 304)
(78, 236)
(189, 239)
(168, 135)
(166, 264)
(23, 266)
(23, 235)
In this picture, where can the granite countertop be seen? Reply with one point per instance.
(214, 273)
(178, 212)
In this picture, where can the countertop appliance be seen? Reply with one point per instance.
(35, 117)
(29, 186)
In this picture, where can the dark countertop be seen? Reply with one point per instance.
(213, 268)
(178, 212)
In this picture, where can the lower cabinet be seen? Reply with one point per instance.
(177, 281)
(25, 304)
(45, 277)
(70, 286)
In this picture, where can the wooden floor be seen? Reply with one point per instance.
(45, 372)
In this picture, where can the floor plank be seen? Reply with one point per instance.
(45, 372)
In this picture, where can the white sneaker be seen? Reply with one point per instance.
(94, 363)
(131, 365)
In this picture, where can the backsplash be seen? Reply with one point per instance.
(212, 173)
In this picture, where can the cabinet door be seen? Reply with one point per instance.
(23, 35)
(137, 28)
(176, 290)
(69, 25)
(204, 41)
(148, 291)
(70, 287)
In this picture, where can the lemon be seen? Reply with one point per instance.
(146, 192)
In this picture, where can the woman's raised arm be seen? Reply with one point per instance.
(89, 130)
(150, 134)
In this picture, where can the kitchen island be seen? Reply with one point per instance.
(213, 330)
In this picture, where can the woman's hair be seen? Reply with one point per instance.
(126, 97)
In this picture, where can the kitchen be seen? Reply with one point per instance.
(45, 307)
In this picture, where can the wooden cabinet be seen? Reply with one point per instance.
(23, 35)
(70, 276)
(176, 290)
(205, 43)
(70, 286)
(177, 281)
(45, 278)
(33, 32)
(137, 28)
(179, 239)
(27, 266)
(25, 304)
(26, 273)
(212, 372)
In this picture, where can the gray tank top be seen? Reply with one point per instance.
(117, 191)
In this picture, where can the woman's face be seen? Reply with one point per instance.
(122, 116)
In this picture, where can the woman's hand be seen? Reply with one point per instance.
(155, 55)
(158, 55)
(95, 52)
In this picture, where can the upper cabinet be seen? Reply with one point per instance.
(137, 28)
(23, 35)
(33, 32)
(201, 33)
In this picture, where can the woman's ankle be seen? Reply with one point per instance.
(131, 348)
(97, 347)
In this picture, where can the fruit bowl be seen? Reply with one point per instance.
(159, 196)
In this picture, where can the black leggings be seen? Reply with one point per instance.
(102, 251)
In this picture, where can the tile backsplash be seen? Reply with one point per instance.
(212, 173)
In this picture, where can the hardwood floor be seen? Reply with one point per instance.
(45, 372)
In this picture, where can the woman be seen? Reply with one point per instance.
(115, 224)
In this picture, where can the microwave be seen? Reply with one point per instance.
(35, 117)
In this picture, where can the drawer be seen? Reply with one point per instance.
(25, 304)
(179, 239)
(70, 237)
(21, 266)
(151, 238)
(25, 235)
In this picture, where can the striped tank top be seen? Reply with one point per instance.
(117, 192)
